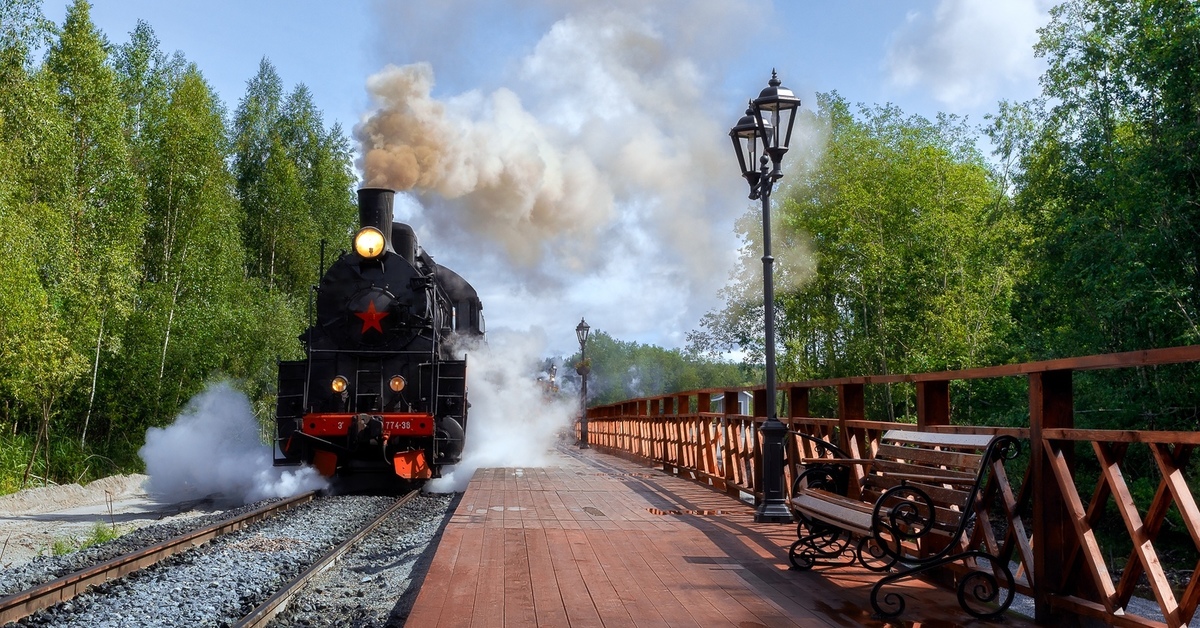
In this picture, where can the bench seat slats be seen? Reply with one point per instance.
(961, 441)
(930, 457)
(834, 509)
(936, 474)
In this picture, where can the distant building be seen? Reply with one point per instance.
(744, 399)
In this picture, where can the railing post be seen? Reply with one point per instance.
(797, 397)
(704, 455)
(761, 410)
(682, 403)
(850, 408)
(730, 406)
(797, 402)
(1051, 405)
(933, 404)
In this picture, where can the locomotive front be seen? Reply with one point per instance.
(380, 395)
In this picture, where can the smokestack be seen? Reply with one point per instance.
(375, 210)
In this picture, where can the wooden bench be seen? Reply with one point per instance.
(911, 512)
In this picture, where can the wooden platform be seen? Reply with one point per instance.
(599, 541)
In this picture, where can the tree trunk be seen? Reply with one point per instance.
(92, 396)
(162, 365)
(43, 435)
(46, 434)
(37, 442)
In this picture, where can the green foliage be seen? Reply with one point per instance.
(101, 533)
(621, 370)
(1110, 180)
(123, 239)
(15, 451)
(896, 256)
(293, 180)
(1104, 172)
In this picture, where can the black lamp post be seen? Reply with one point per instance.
(768, 120)
(581, 332)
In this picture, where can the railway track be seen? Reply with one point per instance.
(236, 573)
(265, 612)
(21, 605)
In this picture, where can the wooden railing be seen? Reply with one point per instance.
(1042, 524)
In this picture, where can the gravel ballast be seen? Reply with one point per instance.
(43, 569)
(219, 582)
(376, 583)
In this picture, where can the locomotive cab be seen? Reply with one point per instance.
(379, 392)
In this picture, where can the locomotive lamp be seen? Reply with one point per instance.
(581, 332)
(369, 242)
(339, 384)
(397, 383)
(768, 120)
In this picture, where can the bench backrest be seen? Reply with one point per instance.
(944, 466)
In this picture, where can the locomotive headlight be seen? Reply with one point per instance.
(397, 384)
(368, 242)
(339, 384)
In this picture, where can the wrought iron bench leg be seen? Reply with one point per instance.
(975, 590)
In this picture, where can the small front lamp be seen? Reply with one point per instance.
(397, 383)
(339, 384)
(369, 243)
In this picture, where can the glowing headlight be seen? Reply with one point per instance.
(339, 384)
(397, 384)
(368, 242)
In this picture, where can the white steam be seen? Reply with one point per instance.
(513, 421)
(584, 171)
(213, 448)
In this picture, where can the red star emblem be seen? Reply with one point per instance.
(371, 318)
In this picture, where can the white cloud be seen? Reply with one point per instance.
(969, 51)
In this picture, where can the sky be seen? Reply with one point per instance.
(570, 158)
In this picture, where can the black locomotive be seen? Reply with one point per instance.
(380, 397)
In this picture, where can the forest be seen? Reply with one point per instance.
(151, 241)
(154, 241)
(912, 250)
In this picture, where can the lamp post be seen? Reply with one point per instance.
(581, 332)
(768, 120)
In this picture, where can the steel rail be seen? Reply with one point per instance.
(25, 603)
(265, 612)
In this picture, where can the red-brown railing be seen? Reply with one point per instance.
(1048, 529)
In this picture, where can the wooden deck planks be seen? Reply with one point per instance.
(587, 542)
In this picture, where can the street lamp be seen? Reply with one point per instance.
(768, 120)
(581, 332)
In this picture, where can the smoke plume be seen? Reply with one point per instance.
(213, 449)
(513, 420)
(510, 183)
(597, 155)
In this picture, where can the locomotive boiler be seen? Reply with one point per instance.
(380, 398)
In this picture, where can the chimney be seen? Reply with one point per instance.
(375, 210)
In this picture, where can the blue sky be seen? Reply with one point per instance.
(614, 113)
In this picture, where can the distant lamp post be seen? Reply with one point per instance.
(581, 332)
(768, 121)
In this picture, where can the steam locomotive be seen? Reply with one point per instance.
(380, 399)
